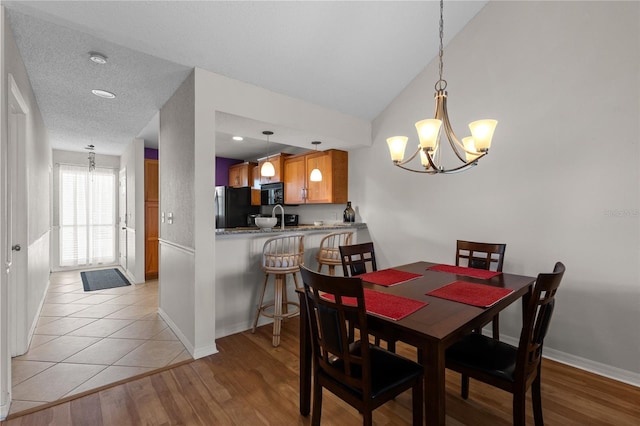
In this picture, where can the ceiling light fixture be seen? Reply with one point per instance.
(103, 94)
(469, 151)
(97, 58)
(267, 169)
(91, 157)
(316, 174)
(237, 138)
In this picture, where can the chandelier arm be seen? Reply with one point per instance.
(427, 171)
(410, 158)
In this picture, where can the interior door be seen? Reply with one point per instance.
(122, 218)
(16, 221)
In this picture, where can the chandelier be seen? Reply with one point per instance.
(430, 132)
(91, 157)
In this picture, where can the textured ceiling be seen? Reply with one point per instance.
(350, 56)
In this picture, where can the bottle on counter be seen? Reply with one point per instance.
(349, 214)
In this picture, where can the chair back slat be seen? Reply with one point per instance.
(489, 256)
(331, 303)
(283, 253)
(330, 243)
(537, 318)
(358, 259)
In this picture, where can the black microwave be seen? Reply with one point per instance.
(272, 194)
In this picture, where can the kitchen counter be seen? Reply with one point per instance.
(238, 269)
(298, 228)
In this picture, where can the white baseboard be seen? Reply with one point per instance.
(618, 374)
(195, 352)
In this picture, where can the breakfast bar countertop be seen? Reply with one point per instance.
(298, 228)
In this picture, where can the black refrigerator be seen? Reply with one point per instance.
(232, 206)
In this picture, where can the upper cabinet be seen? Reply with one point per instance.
(333, 189)
(241, 175)
(278, 163)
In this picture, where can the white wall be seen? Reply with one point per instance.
(37, 174)
(133, 161)
(561, 180)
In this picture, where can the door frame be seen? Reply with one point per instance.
(122, 220)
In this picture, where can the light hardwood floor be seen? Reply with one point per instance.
(251, 383)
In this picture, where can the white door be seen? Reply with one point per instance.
(16, 222)
(122, 215)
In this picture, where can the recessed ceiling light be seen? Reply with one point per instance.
(98, 58)
(238, 138)
(103, 94)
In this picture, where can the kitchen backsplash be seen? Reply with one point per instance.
(329, 213)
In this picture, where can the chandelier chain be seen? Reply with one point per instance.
(441, 84)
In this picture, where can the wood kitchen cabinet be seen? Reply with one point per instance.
(278, 163)
(255, 185)
(333, 189)
(240, 174)
(151, 198)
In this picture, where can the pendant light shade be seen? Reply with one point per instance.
(267, 169)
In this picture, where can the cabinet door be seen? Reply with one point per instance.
(319, 192)
(151, 239)
(294, 180)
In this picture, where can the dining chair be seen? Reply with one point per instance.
(329, 253)
(489, 256)
(358, 259)
(510, 368)
(363, 375)
(281, 256)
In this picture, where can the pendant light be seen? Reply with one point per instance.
(316, 174)
(267, 169)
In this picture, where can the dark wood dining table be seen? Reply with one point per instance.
(431, 329)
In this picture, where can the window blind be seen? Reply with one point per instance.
(87, 216)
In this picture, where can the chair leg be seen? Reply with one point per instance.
(264, 288)
(285, 298)
(332, 270)
(417, 402)
(320, 266)
(536, 398)
(317, 403)
(295, 281)
(277, 310)
(496, 327)
(519, 408)
(464, 384)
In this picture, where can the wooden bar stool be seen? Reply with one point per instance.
(281, 255)
(329, 253)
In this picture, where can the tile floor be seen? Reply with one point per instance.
(84, 340)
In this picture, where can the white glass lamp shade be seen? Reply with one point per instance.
(397, 145)
(428, 132)
(470, 146)
(267, 169)
(482, 133)
(316, 175)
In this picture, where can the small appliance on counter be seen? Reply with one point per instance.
(232, 206)
(289, 219)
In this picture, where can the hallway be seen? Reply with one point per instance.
(85, 340)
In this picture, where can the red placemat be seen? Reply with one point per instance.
(384, 304)
(471, 293)
(483, 274)
(388, 277)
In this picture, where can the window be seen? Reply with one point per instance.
(87, 216)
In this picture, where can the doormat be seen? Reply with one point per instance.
(103, 279)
